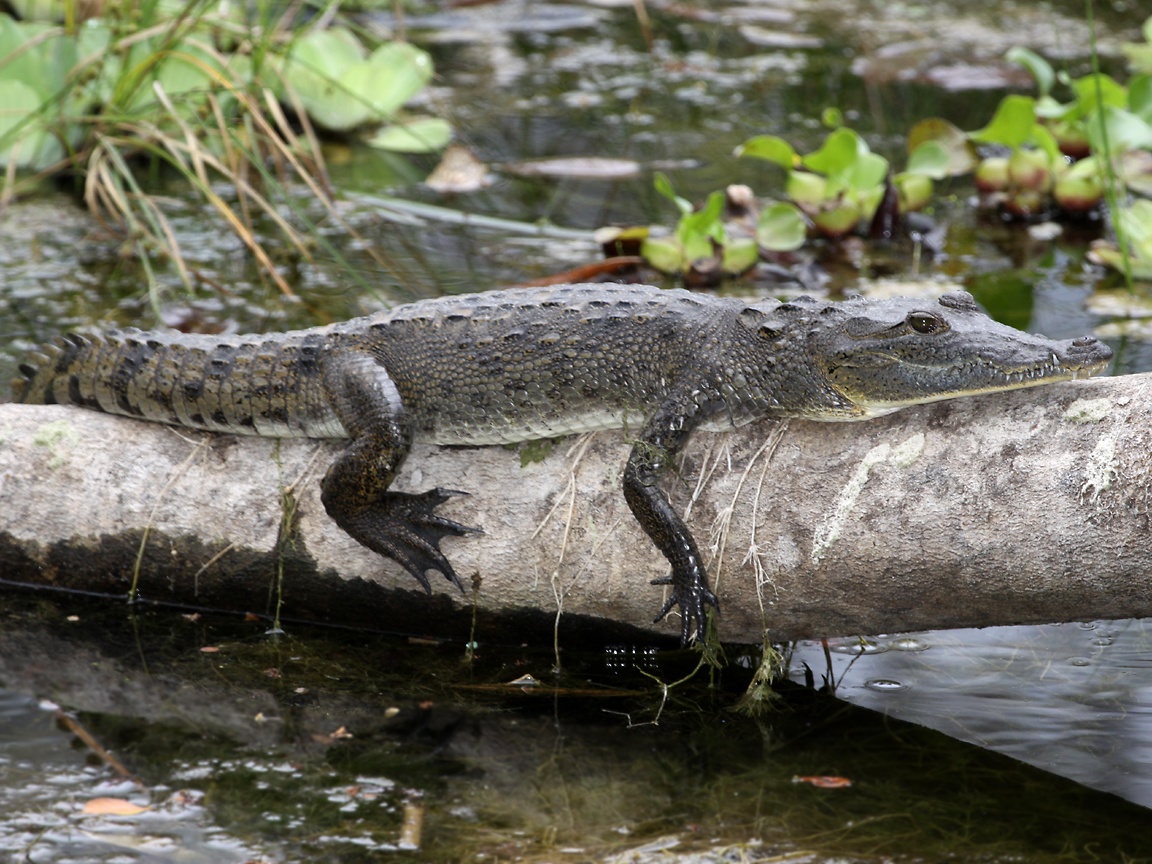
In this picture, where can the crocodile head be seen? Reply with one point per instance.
(880, 356)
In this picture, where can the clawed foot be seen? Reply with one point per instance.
(692, 595)
(406, 528)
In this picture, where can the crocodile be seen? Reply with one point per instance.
(507, 366)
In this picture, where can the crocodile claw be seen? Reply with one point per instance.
(405, 528)
(693, 596)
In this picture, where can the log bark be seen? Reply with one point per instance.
(1022, 507)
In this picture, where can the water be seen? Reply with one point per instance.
(1074, 699)
(318, 745)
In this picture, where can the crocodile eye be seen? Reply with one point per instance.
(926, 322)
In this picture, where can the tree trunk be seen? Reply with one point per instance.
(1021, 507)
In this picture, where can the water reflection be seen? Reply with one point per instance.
(1072, 699)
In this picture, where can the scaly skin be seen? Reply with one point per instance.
(510, 366)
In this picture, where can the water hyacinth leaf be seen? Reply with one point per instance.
(962, 157)
(839, 153)
(869, 172)
(771, 148)
(419, 135)
(781, 228)
(1091, 89)
(1137, 219)
(313, 70)
(807, 189)
(930, 159)
(913, 191)
(663, 253)
(697, 230)
(1136, 171)
(1123, 129)
(1011, 125)
(832, 117)
(739, 256)
(22, 61)
(24, 137)
(1039, 68)
(664, 187)
(397, 71)
(1140, 97)
(1043, 139)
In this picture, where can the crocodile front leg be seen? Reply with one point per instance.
(663, 437)
(398, 525)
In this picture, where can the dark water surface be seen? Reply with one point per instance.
(326, 745)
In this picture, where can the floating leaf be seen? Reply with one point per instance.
(663, 253)
(771, 148)
(1125, 131)
(1037, 66)
(421, 135)
(1140, 97)
(394, 73)
(839, 152)
(1011, 125)
(664, 187)
(781, 228)
(739, 255)
(930, 159)
(24, 137)
(962, 156)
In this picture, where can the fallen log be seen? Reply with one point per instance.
(1023, 507)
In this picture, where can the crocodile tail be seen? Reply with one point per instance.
(45, 367)
(248, 385)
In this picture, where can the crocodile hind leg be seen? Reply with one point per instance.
(397, 525)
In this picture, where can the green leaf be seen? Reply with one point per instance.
(1043, 139)
(832, 118)
(397, 71)
(1114, 95)
(1125, 131)
(24, 138)
(961, 154)
(1140, 97)
(704, 224)
(1012, 123)
(807, 189)
(663, 253)
(771, 148)
(869, 172)
(1036, 65)
(930, 159)
(313, 70)
(839, 152)
(30, 66)
(419, 135)
(664, 187)
(781, 228)
(739, 255)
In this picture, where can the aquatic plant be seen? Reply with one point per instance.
(200, 89)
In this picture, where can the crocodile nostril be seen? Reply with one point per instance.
(1084, 342)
